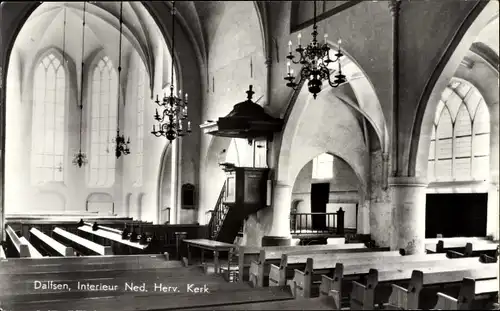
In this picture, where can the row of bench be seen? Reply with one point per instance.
(334, 265)
(96, 241)
(339, 275)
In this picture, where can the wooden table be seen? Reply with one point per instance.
(211, 245)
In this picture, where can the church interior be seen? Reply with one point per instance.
(249, 155)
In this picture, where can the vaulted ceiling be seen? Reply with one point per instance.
(200, 21)
(45, 28)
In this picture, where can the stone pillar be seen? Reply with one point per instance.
(380, 211)
(153, 146)
(408, 196)
(279, 233)
(363, 217)
(492, 216)
(2, 159)
(174, 182)
(178, 185)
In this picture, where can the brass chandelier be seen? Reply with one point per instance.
(175, 109)
(315, 59)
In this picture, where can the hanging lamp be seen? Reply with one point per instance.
(121, 144)
(80, 158)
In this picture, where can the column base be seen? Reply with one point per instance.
(276, 241)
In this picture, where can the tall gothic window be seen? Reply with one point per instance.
(103, 120)
(460, 141)
(323, 166)
(141, 83)
(49, 99)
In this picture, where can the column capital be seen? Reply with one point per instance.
(385, 156)
(394, 7)
(407, 181)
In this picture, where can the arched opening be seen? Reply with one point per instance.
(458, 139)
(323, 186)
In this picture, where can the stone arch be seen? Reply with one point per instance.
(477, 75)
(364, 101)
(261, 11)
(338, 145)
(100, 202)
(368, 104)
(481, 15)
(481, 76)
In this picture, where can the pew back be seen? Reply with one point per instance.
(97, 248)
(55, 245)
(2, 253)
(21, 248)
(34, 253)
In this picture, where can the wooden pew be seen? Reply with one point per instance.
(34, 253)
(12, 238)
(461, 240)
(458, 248)
(94, 247)
(304, 283)
(470, 292)
(103, 265)
(279, 275)
(259, 269)
(112, 235)
(59, 248)
(21, 264)
(2, 253)
(167, 301)
(363, 297)
(346, 271)
(245, 255)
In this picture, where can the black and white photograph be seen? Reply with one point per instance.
(249, 155)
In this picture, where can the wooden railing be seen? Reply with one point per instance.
(218, 214)
(302, 223)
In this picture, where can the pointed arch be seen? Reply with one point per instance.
(50, 97)
(103, 103)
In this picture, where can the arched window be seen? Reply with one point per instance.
(323, 166)
(141, 83)
(49, 99)
(459, 148)
(103, 119)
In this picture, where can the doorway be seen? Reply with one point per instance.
(319, 198)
